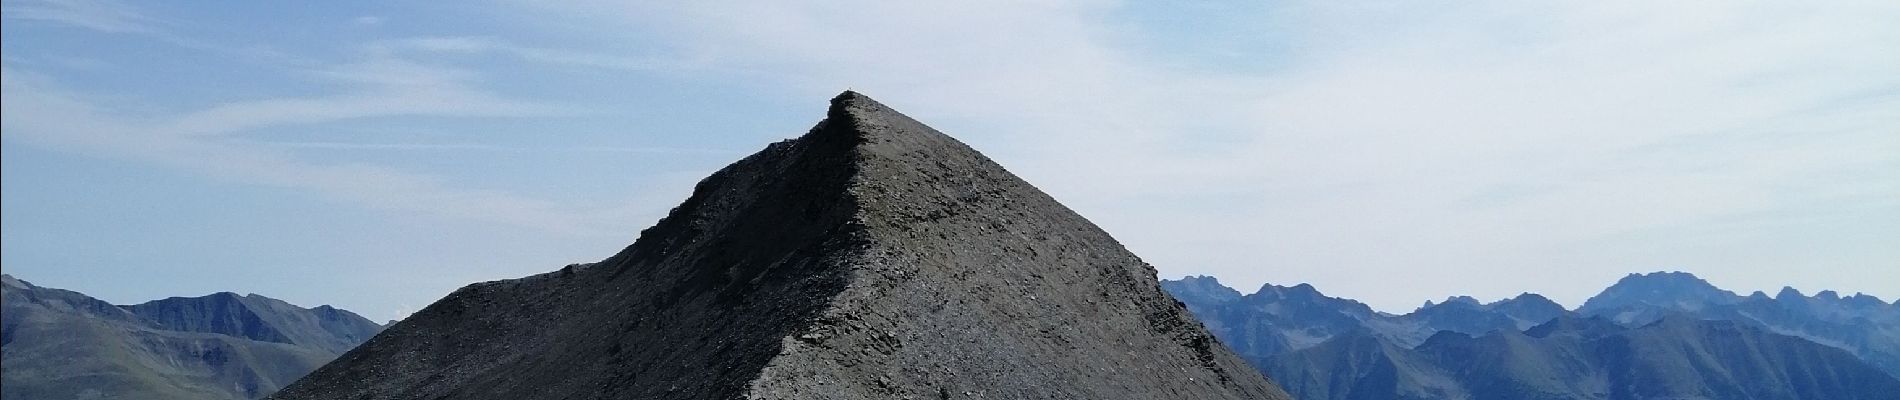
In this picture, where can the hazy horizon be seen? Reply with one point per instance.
(376, 156)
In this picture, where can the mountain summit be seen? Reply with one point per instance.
(874, 257)
(1678, 291)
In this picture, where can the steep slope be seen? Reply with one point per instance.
(60, 344)
(871, 258)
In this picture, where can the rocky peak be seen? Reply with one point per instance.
(873, 257)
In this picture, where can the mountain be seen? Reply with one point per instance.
(1676, 357)
(873, 257)
(1359, 365)
(1657, 335)
(1466, 315)
(260, 318)
(1863, 325)
(1276, 319)
(60, 344)
(1642, 297)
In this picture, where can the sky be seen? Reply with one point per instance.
(377, 155)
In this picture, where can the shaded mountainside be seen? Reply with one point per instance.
(260, 318)
(1861, 324)
(60, 344)
(1275, 319)
(1659, 335)
(1279, 319)
(1466, 315)
(1673, 358)
(871, 258)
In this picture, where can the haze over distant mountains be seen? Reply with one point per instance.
(60, 344)
(1658, 335)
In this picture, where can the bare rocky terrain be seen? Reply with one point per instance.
(872, 258)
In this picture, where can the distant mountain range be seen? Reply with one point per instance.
(1664, 335)
(1658, 335)
(60, 344)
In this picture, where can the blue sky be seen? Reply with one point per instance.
(377, 155)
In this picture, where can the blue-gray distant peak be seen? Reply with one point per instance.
(1300, 291)
(1865, 301)
(260, 318)
(1789, 293)
(1866, 327)
(1681, 291)
(1463, 299)
(1536, 299)
(1200, 290)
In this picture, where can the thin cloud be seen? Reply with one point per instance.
(1360, 153)
(383, 87)
(100, 15)
(40, 112)
(247, 115)
(498, 148)
(549, 56)
(114, 17)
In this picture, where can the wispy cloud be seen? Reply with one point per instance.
(371, 84)
(383, 87)
(499, 148)
(40, 112)
(1362, 151)
(570, 58)
(114, 17)
(1429, 143)
(100, 15)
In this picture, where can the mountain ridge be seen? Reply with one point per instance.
(873, 257)
(1414, 356)
(64, 344)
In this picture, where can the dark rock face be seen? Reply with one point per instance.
(871, 258)
(60, 344)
